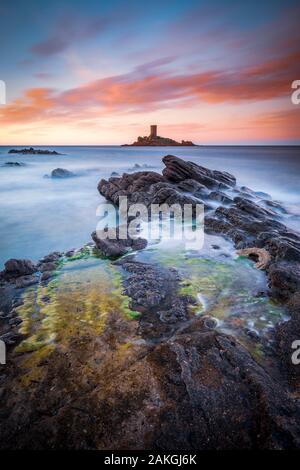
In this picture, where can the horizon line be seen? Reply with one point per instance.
(150, 146)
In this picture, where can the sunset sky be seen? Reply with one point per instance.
(100, 72)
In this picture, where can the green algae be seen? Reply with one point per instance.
(230, 289)
(76, 304)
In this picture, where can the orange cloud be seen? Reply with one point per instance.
(147, 89)
(35, 105)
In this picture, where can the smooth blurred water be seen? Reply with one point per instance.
(39, 214)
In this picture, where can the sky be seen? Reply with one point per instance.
(99, 72)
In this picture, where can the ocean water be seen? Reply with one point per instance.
(39, 214)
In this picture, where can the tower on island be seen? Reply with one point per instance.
(153, 131)
(156, 141)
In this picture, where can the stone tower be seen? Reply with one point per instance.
(153, 131)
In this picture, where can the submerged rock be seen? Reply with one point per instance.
(25, 281)
(18, 164)
(61, 173)
(220, 197)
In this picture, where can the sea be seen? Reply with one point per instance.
(40, 214)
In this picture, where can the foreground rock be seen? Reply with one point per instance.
(169, 375)
(32, 151)
(18, 267)
(22, 273)
(114, 248)
(247, 217)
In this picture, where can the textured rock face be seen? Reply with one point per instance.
(178, 170)
(148, 187)
(118, 247)
(180, 385)
(23, 273)
(248, 222)
(18, 267)
(247, 217)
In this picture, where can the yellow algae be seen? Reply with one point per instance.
(32, 364)
(76, 304)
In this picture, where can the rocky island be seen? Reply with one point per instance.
(155, 140)
(32, 151)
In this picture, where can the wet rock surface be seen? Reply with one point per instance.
(180, 383)
(249, 218)
(15, 268)
(114, 248)
(61, 173)
(168, 379)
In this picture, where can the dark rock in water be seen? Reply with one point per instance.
(179, 170)
(259, 194)
(219, 196)
(46, 275)
(246, 222)
(47, 266)
(32, 151)
(15, 268)
(114, 173)
(14, 164)
(275, 205)
(26, 281)
(262, 195)
(192, 186)
(61, 173)
(253, 209)
(128, 185)
(54, 256)
(70, 253)
(118, 247)
(148, 187)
